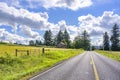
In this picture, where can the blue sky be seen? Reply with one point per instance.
(24, 20)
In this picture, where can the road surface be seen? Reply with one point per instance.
(87, 66)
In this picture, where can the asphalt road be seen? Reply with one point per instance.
(86, 66)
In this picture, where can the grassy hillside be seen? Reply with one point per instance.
(15, 68)
(111, 54)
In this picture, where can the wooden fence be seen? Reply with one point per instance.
(28, 52)
(16, 51)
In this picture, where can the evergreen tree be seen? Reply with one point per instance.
(48, 38)
(40, 42)
(37, 42)
(115, 38)
(31, 43)
(86, 40)
(106, 41)
(60, 37)
(67, 38)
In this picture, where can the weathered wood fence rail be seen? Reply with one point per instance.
(28, 52)
(16, 51)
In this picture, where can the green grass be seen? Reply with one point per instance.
(22, 67)
(111, 54)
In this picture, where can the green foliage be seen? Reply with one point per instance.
(93, 48)
(63, 37)
(106, 41)
(31, 43)
(3, 43)
(86, 40)
(48, 38)
(67, 38)
(115, 38)
(78, 42)
(37, 43)
(9, 60)
(82, 41)
(60, 37)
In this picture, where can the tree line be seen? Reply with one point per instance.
(80, 41)
(112, 42)
(62, 39)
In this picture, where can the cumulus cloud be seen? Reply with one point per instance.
(13, 38)
(69, 4)
(27, 21)
(6, 36)
(13, 17)
(28, 32)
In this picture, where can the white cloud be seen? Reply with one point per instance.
(28, 32)
(69, 4)
(62, 25)
(13, 17)
(1, 32)
(9, 37)
(6, 36)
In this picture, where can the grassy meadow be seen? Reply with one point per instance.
(111, 54)
(22, 67)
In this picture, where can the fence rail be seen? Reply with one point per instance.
(28, 52)
(16, 51)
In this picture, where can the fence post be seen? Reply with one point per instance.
(28, 52)
(16, 52)
(39, 52)
(43, 50)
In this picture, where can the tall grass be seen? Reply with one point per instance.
(111, 54)
(23, 66)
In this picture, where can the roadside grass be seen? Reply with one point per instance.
(22, 67)
(111, 54)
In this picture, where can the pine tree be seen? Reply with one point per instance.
(37, 42)
(115, 40)
(60, 37)
(67, 38)
(31, 43)
(86, 40)
(40, 42)
(106, 41)
(48, 38)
